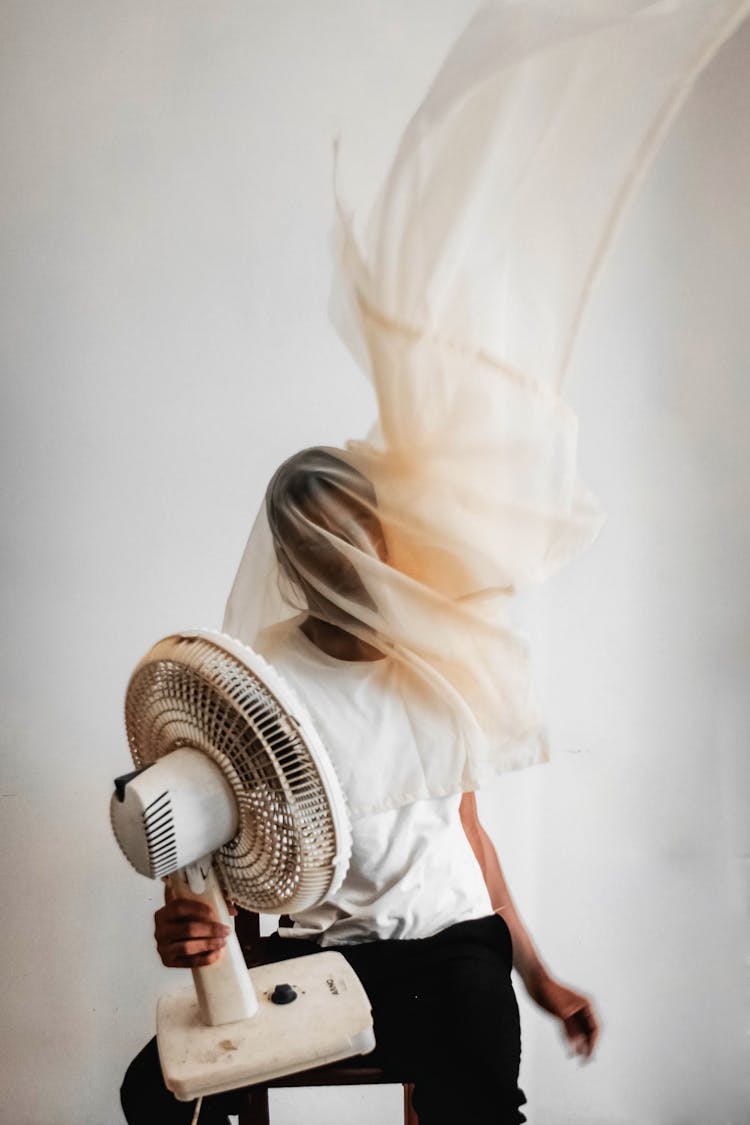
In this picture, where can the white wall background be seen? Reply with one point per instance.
(166, 200)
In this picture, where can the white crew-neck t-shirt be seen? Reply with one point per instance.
(412, 871)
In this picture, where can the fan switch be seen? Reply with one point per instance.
(283, 994)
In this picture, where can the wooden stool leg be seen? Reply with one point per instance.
(410, 1114)
(255, 1112)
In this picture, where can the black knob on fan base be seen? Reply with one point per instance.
(283, 994)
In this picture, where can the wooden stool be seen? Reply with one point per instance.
(254, 947)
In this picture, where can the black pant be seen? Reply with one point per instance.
(445, 1019)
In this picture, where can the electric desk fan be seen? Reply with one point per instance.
(234, 794)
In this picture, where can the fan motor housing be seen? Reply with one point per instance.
(172, 813)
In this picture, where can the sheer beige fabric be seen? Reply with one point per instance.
(462, 303)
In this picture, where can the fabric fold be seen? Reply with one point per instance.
(462, 303)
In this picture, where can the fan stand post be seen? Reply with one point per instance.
(224, 989)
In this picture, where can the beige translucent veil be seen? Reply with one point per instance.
(462, 303)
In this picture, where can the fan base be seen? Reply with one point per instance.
(330, 1019)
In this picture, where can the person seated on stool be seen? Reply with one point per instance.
(423, 915)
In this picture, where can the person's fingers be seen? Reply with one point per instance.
(596, 1027)
(180, 930)
(183, 913)
(197, 961)
(189, 952)
(582, 1029)
(590, 1026)
(188, 927)
(180, 934)
(195, 939)
(188, 934)
(174, 960)
(188, 947)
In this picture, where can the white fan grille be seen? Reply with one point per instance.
(189, 691)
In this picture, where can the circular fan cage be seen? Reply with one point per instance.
(210, 693)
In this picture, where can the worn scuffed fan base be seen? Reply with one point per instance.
(329, 1020)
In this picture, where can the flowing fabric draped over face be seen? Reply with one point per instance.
(462, 303)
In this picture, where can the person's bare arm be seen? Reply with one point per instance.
(526, 959)
(574, 1010)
